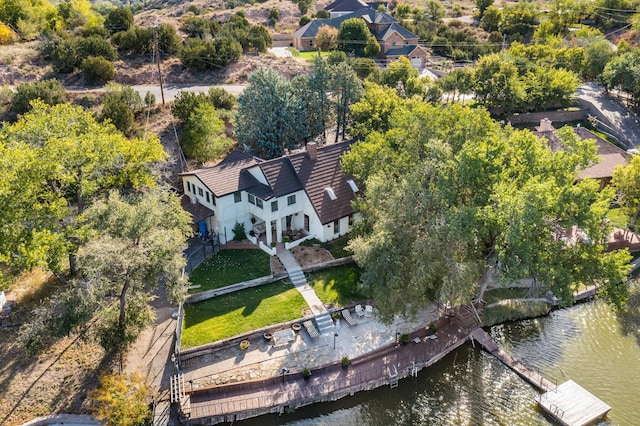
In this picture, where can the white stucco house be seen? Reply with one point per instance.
(304, 191)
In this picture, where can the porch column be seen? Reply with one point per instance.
(279, 230)
(268, 232)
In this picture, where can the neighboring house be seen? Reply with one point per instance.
(304, 191)
(395, 41)
(610, 155)
(344, 7)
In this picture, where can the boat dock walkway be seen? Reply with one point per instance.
(569, 404)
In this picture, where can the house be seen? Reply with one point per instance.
(610, 155)
(304, 191)
(344, 7)
(395, 41)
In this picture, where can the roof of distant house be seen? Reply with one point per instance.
(394, 27)
(346, 5)
(610, 155)
(310, 30)
(405, 50)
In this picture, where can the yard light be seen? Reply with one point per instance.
(334, 340)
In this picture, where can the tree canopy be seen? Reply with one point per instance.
(451, 195)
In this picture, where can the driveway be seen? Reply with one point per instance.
(281, 52)
(171, 91)
(614, 116)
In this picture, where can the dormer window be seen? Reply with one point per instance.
(353, 185)
(331, 194)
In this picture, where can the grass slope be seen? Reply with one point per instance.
(337, 285)
(230, 267)
(240, 312)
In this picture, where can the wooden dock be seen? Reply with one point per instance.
(569, 404)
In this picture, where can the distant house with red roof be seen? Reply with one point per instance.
(305, 191)
(395, 40)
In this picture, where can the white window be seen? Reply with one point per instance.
(353, 185)
(331, 194)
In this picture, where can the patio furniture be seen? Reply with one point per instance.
(311, 329)
(348, 318)
(359, 311)
(368, 311)
(283, 337)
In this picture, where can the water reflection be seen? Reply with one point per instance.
(469, 387)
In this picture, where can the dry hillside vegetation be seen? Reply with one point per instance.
(55, 381)
(21, 63)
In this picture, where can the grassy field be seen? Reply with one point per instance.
(497, 294)
(337, 247)
(229, 267)
(308, 55)
(239, 312)
(337, 285)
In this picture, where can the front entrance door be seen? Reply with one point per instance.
(306, 223)
(288, 221)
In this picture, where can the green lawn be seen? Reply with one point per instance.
(239, 312)
(618, 218)
(229, 267)
(307, 55)
(337, 285)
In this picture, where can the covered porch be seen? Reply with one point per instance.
(286, 228)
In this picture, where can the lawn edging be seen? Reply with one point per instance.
(208, 348)
(208, 294)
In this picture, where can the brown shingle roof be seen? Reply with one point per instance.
(325, 172)
(281, 176)
(610, 155)
(198, 211)
(226, 177)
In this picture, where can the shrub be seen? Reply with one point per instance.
(336, 57)
(121, 400)
(345, 361)
(220, 98)
(135, 40)
(404, 338)
(274, 14)
(304, 20)
(6, 35)
(239, 232)
(203, 136)
(125, 94)
(64, 56)
(119, 114)
(149, 99)
(306, 373)
(244, 345)
(193, 9)
(50, 92)
(95, 46)
(97, 70)
(198, 55)
(322, 14)
(168, 39)
(120, 19)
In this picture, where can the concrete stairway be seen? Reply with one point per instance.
(325, 323)
(297, 278)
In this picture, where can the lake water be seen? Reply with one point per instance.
(585, 343)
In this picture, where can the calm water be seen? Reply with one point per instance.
(469, 387)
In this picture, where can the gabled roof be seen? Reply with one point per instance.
(310, 30)
(394, 27)
(198, 211)
(322, 173)
(227, 177)
(346, 5)
(281, 176)
(405, 50)
(610, 155)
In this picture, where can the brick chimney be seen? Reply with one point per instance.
(312, 150)
(545, 126)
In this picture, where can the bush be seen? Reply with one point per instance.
(185, 104)
(345, 362)
(121, 400)
(244, 345)
(50, 92)
(198, 55)
(125, 94)
(168, 39)
(119, 114)
(220, 98)
(404, 338)
(336, 57)
(306, 373)
(274, 15)
(64, 56)
(120, 19)
(322, 14)
(149, 99)
(95, 46)
(203, 137)
(135, 40)
(97, 70)
(304, 20)
(239, 232)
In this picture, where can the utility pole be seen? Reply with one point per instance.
(157, 56)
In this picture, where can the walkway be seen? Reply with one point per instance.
(321, 315)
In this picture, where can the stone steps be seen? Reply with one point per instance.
(325, 323)
(297, 278)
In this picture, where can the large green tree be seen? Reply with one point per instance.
(131, 244)
(57, 159)
(627, 182)
(451, 195)
(354, 35)
(268, 119)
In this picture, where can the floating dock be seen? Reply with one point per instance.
(569, 403)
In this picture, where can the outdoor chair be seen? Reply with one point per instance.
(359, 311)
(368, 311)
(311, 329)
(348, 318)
